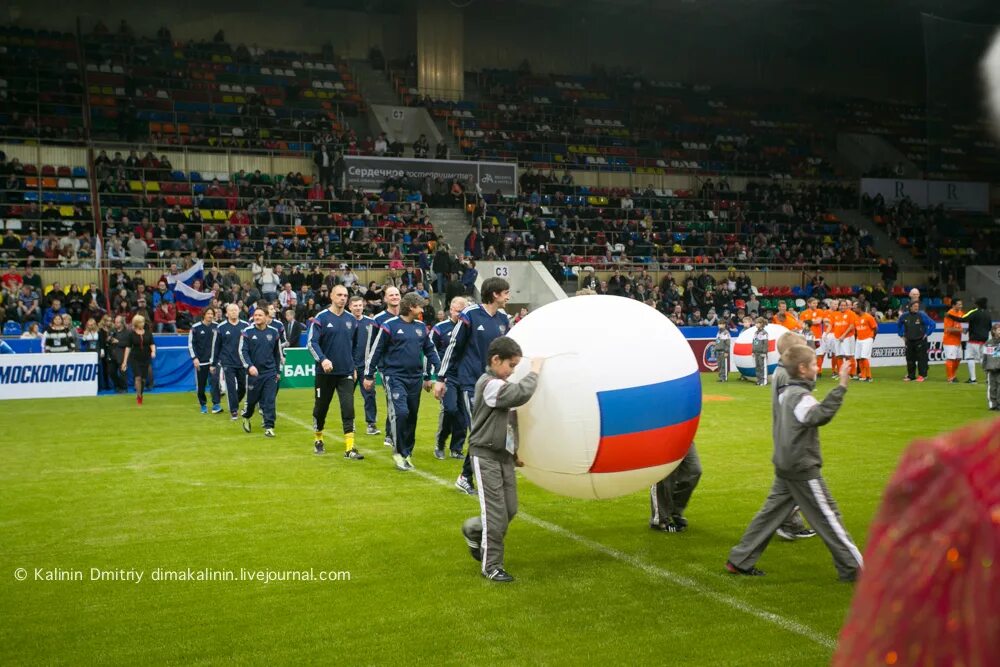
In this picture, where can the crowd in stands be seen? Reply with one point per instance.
(765, 226)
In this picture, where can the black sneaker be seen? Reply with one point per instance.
(234, 416)
(318, 448)
(499, 575)
(475, 549)
(667, 527)
(439, 454)
(246, 424)
(971, 382)
(354, 454)
(848, 578)
(749, 572)
(372, 430)
(457, 455)
(680, 522)
(464, 486)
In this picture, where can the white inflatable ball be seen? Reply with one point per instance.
(618, 400)
(743, 350)
(991, 78)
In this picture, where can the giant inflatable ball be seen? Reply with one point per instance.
(618, 400)
(743, 350)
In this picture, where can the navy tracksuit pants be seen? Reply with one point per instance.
(262, 390)
(205, 376)
(371, 411)
(451, 421)
(236, 386)
(403, 398)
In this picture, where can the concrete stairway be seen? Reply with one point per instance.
(884, 246)
(373, 84)
(452, 225)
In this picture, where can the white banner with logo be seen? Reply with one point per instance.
(953, 195)
(48, 375)
(890, 350)
(370, 173)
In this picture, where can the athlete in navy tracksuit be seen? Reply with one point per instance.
(404, 354)
(260, 351)
(465, 360)
(275, 323)
(226, 358)
(362, 346)
(201, 347)
(450, 421)
(333, 333)
(391, 298)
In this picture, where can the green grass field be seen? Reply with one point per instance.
(100, 483)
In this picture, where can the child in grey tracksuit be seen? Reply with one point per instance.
(991, 364)
(721, 347)
(493, 453)
(760, 344)
(797, 472)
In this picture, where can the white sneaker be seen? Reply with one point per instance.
(409, 463)
(400, 462)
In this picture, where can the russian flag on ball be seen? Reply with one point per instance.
(190, 300)
(647, 426)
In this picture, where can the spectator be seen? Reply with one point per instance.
(469, 276)
(27, 305)
(421, 147)
(51, 312)
(166, 318)
(90, 339)
(162, 294)
(57, 337)
(31, 331)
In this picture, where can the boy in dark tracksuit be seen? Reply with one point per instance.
(260, 351)
(721, 346)
(990, 358)
(760, 345)
(404, 353)
(669, 497)
(797, 467)
(493, 451)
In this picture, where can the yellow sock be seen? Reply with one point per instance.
(348, 442)
(319, 435)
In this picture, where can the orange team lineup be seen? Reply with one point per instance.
(846, 332)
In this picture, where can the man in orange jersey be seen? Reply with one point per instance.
(865, 329)
(816, 319)
(952, 341)
(786, 318)
(842, 328)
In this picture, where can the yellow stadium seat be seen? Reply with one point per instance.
(135, 186)
(152, 186)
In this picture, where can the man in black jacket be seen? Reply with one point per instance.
(980, 321)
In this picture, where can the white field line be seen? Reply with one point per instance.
(655, 571)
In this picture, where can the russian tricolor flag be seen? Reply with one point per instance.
(196, 272)
(647, 426)
(190, 300)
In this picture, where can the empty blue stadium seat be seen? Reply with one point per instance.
(12, 328)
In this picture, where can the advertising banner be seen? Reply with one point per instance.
(953, 195)
(888, 350)
(300, 368)
(48, 375)
(371, 173)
